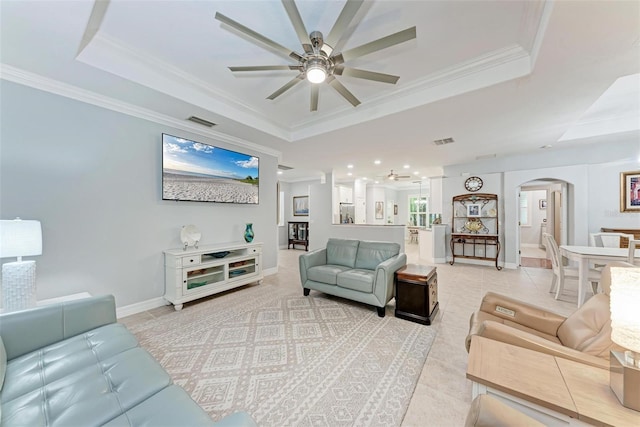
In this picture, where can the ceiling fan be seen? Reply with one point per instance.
(319, 62)
(394, 176)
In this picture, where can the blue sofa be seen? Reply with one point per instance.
(358, 270)
(70, 364)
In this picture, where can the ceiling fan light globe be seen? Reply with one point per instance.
(316, 74)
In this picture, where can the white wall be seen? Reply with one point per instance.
(604, 197)
(593, 172)
(93, 178)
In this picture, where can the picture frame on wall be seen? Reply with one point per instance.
(300, 205)
(379, 210)
(542, 204)
(474, 210)
(630, 191)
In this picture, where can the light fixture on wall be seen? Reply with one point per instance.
(624, 375)
(19, 238)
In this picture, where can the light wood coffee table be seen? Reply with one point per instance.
(553, 390)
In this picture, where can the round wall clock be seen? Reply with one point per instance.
(473, 183)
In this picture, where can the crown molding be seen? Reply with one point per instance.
(36, 81)
(113, 56)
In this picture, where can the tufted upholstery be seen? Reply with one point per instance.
(77, 367)
(362, 271)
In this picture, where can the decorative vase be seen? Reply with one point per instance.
(248, 233)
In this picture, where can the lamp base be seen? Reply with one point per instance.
(18, 285)
(624, 380)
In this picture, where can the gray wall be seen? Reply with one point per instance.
(93, 178)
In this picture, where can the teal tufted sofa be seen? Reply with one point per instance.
(71, 364)
(357, 270)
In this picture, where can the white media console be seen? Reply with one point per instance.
(198, 272)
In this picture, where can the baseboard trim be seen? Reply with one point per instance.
(139, 307)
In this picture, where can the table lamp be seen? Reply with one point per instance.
(624, 373)
(19, 238)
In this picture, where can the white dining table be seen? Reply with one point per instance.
(584, 255)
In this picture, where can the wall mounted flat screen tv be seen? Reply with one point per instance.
(197, 172)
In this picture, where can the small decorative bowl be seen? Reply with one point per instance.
(220, 254)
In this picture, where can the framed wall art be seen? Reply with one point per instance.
(474, 210)
(630, 191)
(300, 205)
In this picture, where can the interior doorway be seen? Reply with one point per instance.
(542, 205)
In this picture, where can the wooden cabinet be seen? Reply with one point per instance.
(195, 273)
(417, 293)
(298, 234)
(474, 227)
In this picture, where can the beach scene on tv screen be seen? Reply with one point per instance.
(200, 172)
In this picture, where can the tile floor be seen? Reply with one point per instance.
(443, 394)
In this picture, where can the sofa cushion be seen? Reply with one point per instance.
(171, 406)
(89, 396)
(588, 329)
(38, 368)
(342, 252)
(370, 254)
(326, 273)
(357, 280)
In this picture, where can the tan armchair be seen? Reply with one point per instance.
(584, 336)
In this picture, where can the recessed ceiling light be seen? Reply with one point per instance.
(350, 166)
(406, 166)
(377, 162)
(424, 177)
(376, 182)
(365, 178)
(349, 174)
(279, 172)
(416, 173)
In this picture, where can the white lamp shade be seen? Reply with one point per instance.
(625, 303)
(20, 238)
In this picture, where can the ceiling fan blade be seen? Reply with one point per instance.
(315, 91)
(376, 45)
(258, 37)
(265, 68)
(342, 23)
(296, 20)
(364, 74)
(291, 83)
(334, 83)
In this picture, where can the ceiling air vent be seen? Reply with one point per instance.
(202, 122)
(284, 168)
(443, 141)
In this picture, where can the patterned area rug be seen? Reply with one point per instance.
(291, 360)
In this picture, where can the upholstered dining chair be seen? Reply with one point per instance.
(633, 245)
(609, 239)
(561, 272)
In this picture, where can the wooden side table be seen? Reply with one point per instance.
(553, 390)
(417, 293)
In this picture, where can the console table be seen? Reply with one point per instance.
(553, 390)
(298, 234)
(199, 272)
